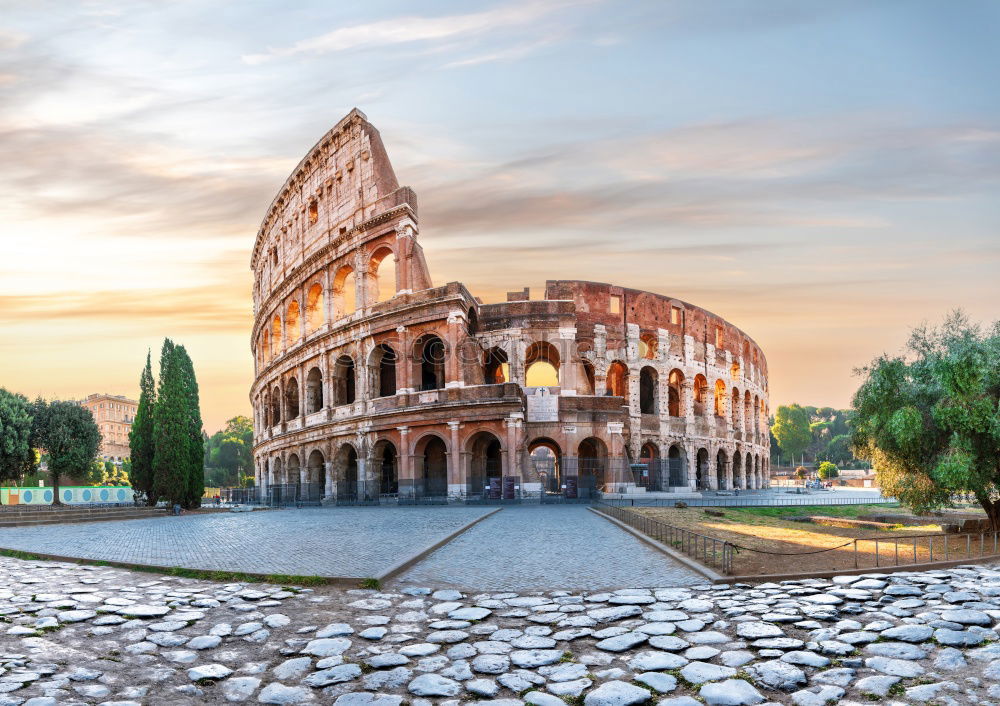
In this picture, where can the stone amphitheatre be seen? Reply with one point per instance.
(372, 382)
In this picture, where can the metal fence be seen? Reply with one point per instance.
(423, 491)
(746, 499)
(710, 551)
(293, 494)
(879, 552)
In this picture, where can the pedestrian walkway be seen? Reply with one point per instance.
(566, 547)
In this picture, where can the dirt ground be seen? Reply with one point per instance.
(769, 543)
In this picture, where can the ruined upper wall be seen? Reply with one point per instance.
(343, 181)
(593, 302)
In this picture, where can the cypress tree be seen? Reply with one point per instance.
(141, 436)
(195, 440)
(170, 421)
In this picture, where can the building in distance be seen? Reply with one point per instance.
(114, 415)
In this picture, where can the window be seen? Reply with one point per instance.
(615, 304)
(675, 315)
(313, 212)
(718, 337)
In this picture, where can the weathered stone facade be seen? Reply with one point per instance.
(384, 381)
(114, 415)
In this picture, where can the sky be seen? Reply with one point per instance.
(823, 175)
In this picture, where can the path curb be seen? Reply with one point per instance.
(661, 547)
(402, 566)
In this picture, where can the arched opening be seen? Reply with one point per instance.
(617, 382)
(277, 477)
(384, 370)
(721, 468)
(316, 471)
(293, 475)
(485, 472)
(496, 369)
(651, 477)
(429, 354)
(276, 341)
(471, 322)
(314, 390)
(590, 378)
(545, 465)
(346, 468)
(700, 393)
(381, 275)
(541, 365)
(592, 463)
(432, 468)
(677, 467)
(756, 416)
(747, 413)
(720, 398)
(344, 292)
(275, 406)
(674, 384)
(649, 389)
(735, 410)
(265, 346)
(647, 346)
(291, 399)
(344, 381)
(701, 470)
(386, 467)
(748, 472)
(314, 308)
(292, 322)
(734, 372)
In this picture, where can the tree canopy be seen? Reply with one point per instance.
(929, 419)
(791, 429)
(17, 457)
(69, 434)
(141, 436)
(229, 453)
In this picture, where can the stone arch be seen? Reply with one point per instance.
(383, 370)
(429, 356)
(748, 471)
(344, 292)
(385, 467)
(617, 380)
(589, 380)
(756, 415)
(293, 471)
(721, 470)
(275, 405)
(739, 482)
(545, 461)
(316, 470)
(496, 367)
(381, 275)
(265, 346)
(720, 398)
(735, 410)
(345, 471)
(734, 371)
(291, 399)
(314, 390)
(700, 394)
(747, 413)
(277, 342)
(677, 466)
(314, 308)
(344, 381)
(592, 462)
(276, 471)
(431, 466)
(701, 469)
(471, 321)
(484, 452)
(675, 387)
(292, 321)
(649, 390)
(541, 365)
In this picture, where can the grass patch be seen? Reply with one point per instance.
(374, 584)
(896, 689)
(849, 511)
(574, 700)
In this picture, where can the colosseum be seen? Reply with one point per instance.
(374, 385)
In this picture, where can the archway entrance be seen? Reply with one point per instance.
(650, 471)
(316, 473)
(484, 474)
(738, 481)
(592, 465)
(701, 470)
(676, 468)
(385, 468)
(431, 470)
(544, 468)
(721, 467)
(346, 473)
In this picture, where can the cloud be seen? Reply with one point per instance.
(407, 30)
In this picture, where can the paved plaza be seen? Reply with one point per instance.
(555, 546)
(344, 541)
(73, 634)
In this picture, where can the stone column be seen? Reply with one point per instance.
(454, 456)
(405, 459)
(453, 376)
(302, 394)
(404, 367)
(328, 478)
(569, 361)
(327, 298)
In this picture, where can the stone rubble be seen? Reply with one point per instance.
(74, 634)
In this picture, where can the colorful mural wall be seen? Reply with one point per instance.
(68, 495)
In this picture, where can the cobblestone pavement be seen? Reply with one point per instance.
(344, 541)
(537, 547)
(97, 635)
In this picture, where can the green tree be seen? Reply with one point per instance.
(195, 436)
(171, 459)
(228, 453)
(17, 457)
(929, 419)
(70, 435)
(838, 451)
(791, 429)
(141, 437)
(827, 470)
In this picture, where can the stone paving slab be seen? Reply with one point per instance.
(542, 547)
(344, 541)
